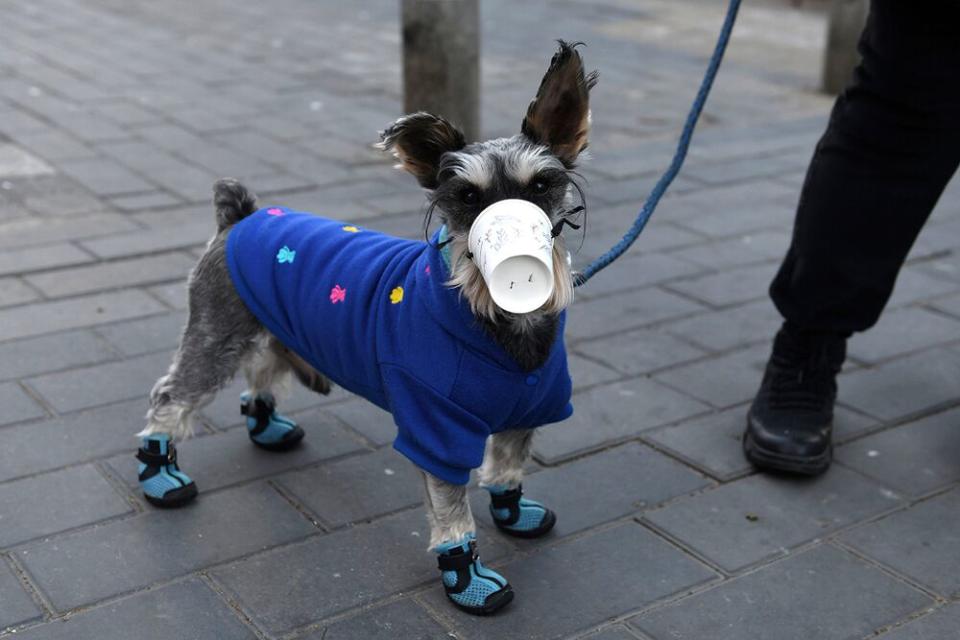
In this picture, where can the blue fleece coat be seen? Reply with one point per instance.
(373, 314)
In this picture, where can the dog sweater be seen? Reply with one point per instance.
(373, 313)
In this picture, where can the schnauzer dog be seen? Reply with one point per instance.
(409, 325)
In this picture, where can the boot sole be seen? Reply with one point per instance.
(292, 440)
(494, 603)
(177, 497)
(776, 461)
(549, 521)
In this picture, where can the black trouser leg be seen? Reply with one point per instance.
(892, 144)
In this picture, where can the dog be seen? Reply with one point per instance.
(409, 325)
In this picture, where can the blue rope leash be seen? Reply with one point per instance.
(678, 157)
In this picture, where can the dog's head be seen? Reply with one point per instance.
(462, 179)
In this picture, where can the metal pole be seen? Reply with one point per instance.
(441, 60)
(846, 21)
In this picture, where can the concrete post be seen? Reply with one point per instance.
(846, 21)
(441, 60)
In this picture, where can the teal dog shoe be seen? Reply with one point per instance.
(515, 515)
(468, 584)
(267, 428)
(163, 484)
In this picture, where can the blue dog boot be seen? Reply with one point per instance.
(163, 484)
(267, 428)
(515, 515)
(469, 585)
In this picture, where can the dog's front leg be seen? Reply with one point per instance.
(501, 474)
(468, 584)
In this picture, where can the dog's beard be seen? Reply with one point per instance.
(466, 277)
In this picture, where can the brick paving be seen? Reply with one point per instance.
(115, 117)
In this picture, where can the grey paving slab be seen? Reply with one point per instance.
(905, 386)
(622, 480)
(149, 200)
(173, 294)
(167, 235)
(337, 572)
(217, 528)
(658, 236)
(614, 633)
(224, 459)
(940, 624)
(188, 609)
(610, 414)
(404, 619)
(915, 285)
(46, 504)
(759, 517)
(587, 373)
(633, 310)
(14, 291)
(640, 351)
(723, 381)
(17, 404)
(749, 248)
(36, 258)
(366, 418)
(729, 287)
(918, 542)
(70, 201)
(902, 331)
(915, 458)
(83, 388)
(36, 230)
(806, 596)
(637, 270)
(72, 439)
(138, 337)
(86, 311)
(113, 275)
(105, 177)
(358, 488)
(638, 568)
(754, 322)
(18, 607)
(713, 442)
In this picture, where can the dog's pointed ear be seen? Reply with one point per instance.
(559, 115)
(419, 140)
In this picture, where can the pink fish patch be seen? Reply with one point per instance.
(275, 212)
(427, 270)
(337, 294)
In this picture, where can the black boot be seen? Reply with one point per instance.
(790, 423)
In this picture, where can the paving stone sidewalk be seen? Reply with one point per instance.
(115, 118)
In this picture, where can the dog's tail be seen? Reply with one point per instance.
(232, 202)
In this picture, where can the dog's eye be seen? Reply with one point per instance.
(469, 196)
(539, 187)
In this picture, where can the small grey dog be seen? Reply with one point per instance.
(409, 325)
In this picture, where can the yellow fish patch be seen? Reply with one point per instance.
(396, 296)
(351, 228)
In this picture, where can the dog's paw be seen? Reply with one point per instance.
(267, 428)
(517, 516)
(468, 584)
(162, 481)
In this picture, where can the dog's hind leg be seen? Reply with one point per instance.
(266, 374)
(468, 584)
(501, 475)
(220, 334)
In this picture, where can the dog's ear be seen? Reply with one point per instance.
(418, 141)
(559, 115)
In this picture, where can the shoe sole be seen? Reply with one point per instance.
(178, 497)
(292, 440)
(494, 603)
(776, 461)
(549, 521)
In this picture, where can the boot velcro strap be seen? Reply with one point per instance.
(459, 561)
(259, 409)
(507, 499)
(157, 459)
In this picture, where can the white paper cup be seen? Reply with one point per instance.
(512, 245)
